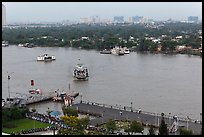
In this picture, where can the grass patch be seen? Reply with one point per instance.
(23, 124)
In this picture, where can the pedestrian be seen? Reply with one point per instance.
(121, 113)
(140, 110)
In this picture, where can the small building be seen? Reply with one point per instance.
(84, 38)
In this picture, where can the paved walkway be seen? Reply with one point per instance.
(50, 132)
(112, 113)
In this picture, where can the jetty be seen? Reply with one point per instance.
(26, 99)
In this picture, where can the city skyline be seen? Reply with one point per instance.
(74, 11)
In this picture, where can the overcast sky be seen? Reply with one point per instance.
(59, 11)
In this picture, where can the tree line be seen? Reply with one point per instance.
(101, 37)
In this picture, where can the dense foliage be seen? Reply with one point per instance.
(185, 131)
(101, 37)
(77, 125)
(69, 111)
(13, 113)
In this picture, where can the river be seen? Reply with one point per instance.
(152, 82)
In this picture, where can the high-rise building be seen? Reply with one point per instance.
(118, 19)
(3, 15)
(193, 19)
(137, 18)
(130, 20)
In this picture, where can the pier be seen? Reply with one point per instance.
(27, 99)
(105, 112)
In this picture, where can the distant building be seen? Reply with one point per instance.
(130, 20)
(137, 19)
(3, 15)
(118, 19)
(193, 19)
(85, 20)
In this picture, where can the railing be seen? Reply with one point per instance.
(127, 108)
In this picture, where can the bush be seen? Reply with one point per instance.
(185, 131)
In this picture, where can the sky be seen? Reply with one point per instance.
(59, 11)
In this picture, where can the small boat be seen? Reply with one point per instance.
(20, 45)
(35, 91)
(126, 50)
(45, 57)
(4, 43)
(80, 72)
(3, 102)
(30, 46)
(105, 51)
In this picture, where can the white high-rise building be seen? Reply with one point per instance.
(3, 15)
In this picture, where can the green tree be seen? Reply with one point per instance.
(185, 131)
(33, 110)
(136, 127)
(77, 125)
(83, 123)
(168, 45)
(163, 127)
(69, 111)
(111, 126)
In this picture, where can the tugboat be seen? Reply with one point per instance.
(80, 72)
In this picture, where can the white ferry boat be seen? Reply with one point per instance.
(45, 57)
(117, 51)
(80, 72)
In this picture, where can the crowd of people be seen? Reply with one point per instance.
(33, 130)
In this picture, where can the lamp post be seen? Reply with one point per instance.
(200, 118)
(9, 77)
(169, 119)
(187, 122)
(81, 97)
(155, 118)
(102, 116)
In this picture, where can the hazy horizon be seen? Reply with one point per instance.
(59, 11)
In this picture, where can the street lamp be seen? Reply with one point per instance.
(81, 97)
(169, 119)
(187, 122)
(9, 77)
(155, 118)
(200, 118)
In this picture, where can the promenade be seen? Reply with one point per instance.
(107, 112)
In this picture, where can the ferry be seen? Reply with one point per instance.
(45, 57)
(117, 51)
(80, 72)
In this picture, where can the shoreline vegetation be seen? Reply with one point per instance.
(186, 51)
(167, 38)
